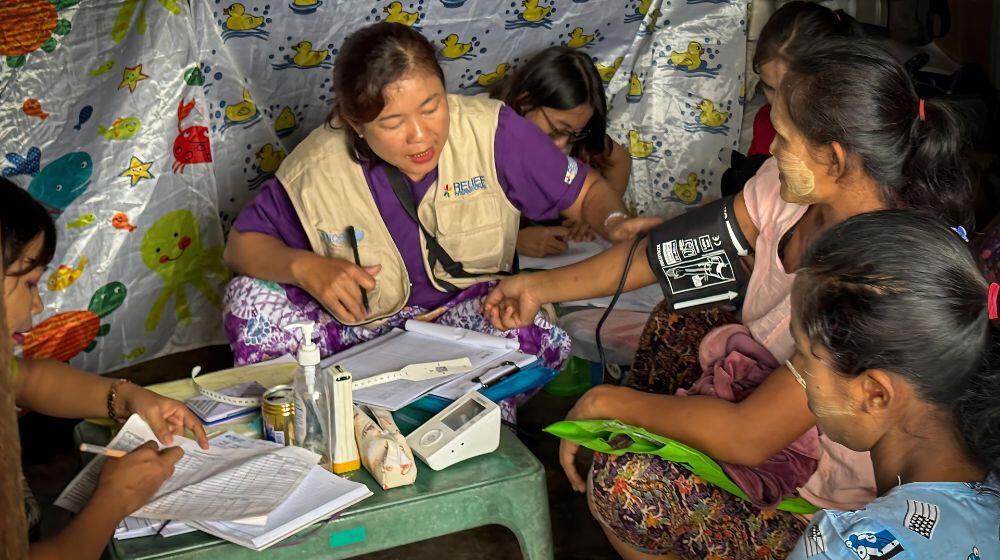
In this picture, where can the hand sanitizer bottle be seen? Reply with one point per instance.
(312, 405)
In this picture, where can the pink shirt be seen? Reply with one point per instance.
(844, 479)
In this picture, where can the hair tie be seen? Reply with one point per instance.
(961, 233)
(836, 14)
(920, 110)
(994, 290)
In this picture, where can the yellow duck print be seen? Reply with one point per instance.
(395, 14)
(238, 20)
(306, 57)
(690, 58)
(285, 120)
(608, 72)
(242, 111)
(709, 115)
(64, 276)
(687, 191)
(533, 12)
(577, 38)
(637, 147)
(634, 86)
(491, 78)
(269, 159)
(453, 49)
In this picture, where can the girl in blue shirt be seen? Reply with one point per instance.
(894, 346)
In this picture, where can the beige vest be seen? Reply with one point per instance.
(466, 209)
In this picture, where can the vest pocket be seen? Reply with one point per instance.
(470, 229)
(391, 282)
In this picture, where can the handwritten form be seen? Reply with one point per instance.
(222, 483)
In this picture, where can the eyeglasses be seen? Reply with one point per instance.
(572, 135)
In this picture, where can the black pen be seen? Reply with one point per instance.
(512, 368)
(352, 237)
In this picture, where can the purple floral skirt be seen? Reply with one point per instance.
(256, 311)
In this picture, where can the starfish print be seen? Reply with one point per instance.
(137, 170)
(131, 77)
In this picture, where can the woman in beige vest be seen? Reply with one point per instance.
(398, 147)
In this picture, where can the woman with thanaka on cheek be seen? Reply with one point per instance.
(851, 137)
(895, 350)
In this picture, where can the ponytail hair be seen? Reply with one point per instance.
(898, 290)
(854, 93)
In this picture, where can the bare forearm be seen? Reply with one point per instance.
(262, 256)
(85, 537)
(706, 423)
(595, 277)
(59, 389)
(773, 416)
(595, 202)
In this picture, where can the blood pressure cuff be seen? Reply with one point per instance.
(696, 257)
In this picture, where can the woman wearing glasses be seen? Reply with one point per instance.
(560, 91)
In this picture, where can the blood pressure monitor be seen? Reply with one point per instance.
(468, 427)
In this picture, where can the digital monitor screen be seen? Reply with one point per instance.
(463, 414)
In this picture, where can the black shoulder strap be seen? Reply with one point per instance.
(435, 251)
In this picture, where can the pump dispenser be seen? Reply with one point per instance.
(312, 403)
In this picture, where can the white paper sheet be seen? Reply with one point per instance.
(216, 484)
(577, 251)
(461, 336)
(397, 349)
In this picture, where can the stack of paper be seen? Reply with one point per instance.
(214, 412)
(315, 496)
(217, 484)
(321, 495)
(135, 527)
(421, 343)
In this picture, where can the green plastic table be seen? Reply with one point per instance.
(506, 487)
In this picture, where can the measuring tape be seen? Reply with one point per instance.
(219, 397)
(417, 372)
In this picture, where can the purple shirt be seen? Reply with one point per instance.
(532, 172)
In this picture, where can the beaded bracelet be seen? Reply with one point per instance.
(113, 401)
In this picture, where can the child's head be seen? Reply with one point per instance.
(790, 31)
(560, 91)
(29, 244)
(892, 332)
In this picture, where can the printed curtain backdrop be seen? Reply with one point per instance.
(145, 125)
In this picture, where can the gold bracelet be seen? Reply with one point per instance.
(113, 401)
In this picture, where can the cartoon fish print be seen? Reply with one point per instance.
(85, 114)
(103, 68)
(120, 221)
(64, 276)
(23, 165)
(191, 145)
(33, 108)
(82, 222)
(121, 129)
(62, 181)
